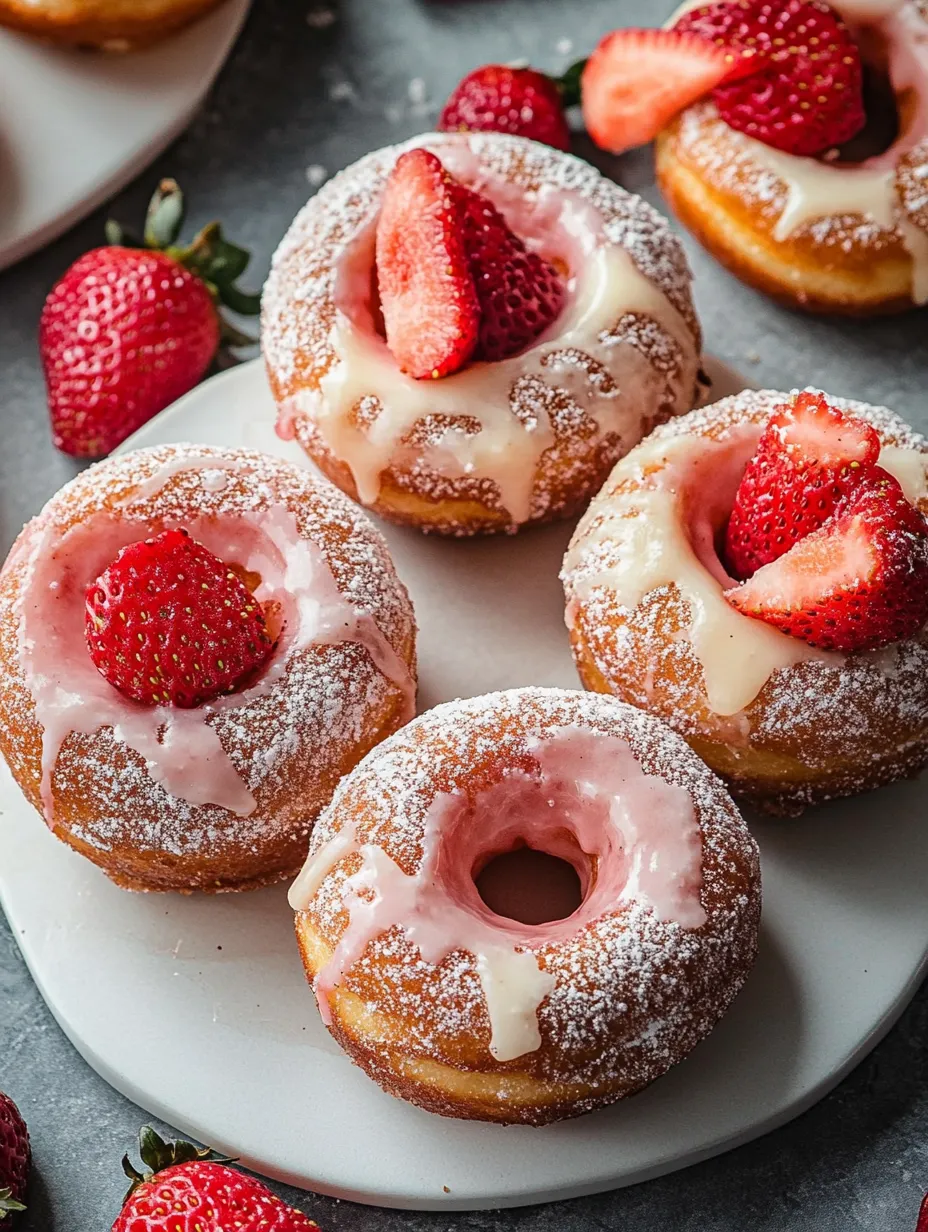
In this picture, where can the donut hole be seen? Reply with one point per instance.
(707, 498)
(530, 886)
(886, 115)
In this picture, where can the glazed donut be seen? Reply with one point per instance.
(826, 236)
(785, 724)
(471, 1014)
(111, 25)
(221, 796)
(495, 445)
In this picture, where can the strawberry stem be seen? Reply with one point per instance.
(569, 83)
(8, 1204)
(156, 1155)
(165, 215)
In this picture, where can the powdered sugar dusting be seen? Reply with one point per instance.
(863, 717)
(295, 732)
(632, 993)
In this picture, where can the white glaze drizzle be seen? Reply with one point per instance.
(639, 832)
(603, 285)
(632, 542)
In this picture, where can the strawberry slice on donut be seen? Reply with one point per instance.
(810, 456)
(430, 308)
(456, 283)
(636, 81)
(805, 95)
(858, 582)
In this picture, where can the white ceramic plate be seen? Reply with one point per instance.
(77, 125)
(197, 1009)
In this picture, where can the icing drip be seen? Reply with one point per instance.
(181, 749)
(659, 529)
(818, 190)
(498, 442)
(634, 839)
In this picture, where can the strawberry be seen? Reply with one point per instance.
(131, 327)
(857, 583)
(430, 309)
(519, 293)
(184, 1189)
(807, 95)
(636, 81)
(809, 457)
(500, 99)
(15, 1159)
(169, 624)
(922, 1225)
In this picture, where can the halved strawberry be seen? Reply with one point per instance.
(520, 294)
(636, 81)
(810, 456)
(807, 93)
(857, 583)
(430, 309)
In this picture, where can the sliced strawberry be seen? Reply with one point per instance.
(430, 309)
(520, 294)
(169, 624)
(810, 456)
(636, 81)
(857, 583)
(807, 95)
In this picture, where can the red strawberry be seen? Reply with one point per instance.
(636, 81)
(520, 294)
(807, 94)
(500, 99)
(857, 583)
(127, 330)
(809, 457)
(430, 309)
(923, 1216)
(15, 1159)
(169, 624)
(183, 1190)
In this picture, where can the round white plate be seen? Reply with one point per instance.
(77, 125)
(197, 1008)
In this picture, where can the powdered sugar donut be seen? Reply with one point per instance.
(493, 446)
(784, 723)
(221, 796)
(470, 1014)
(825, 234)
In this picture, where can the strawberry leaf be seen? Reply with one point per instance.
(8, 1204)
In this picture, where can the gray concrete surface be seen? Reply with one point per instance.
(300, 94)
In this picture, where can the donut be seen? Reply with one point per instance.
(496, 445)
(825, 234)
(784, 723)
(221, 796)
(111, 25)
(468, 1013)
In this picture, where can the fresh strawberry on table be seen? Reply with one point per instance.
(806, 95)
(167, 623)
(858, 582)
(922, 1225)
(809, 457)
(502, 99)
(15, 1159)
(132, 326)
(456, 284)
(181, 1188)
(636, 81)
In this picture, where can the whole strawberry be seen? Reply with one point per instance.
(183, 1190)
(169, 624)
(131, 327)
(500, 99)
(15, 1158)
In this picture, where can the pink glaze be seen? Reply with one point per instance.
(181, 750)
(633, 838)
